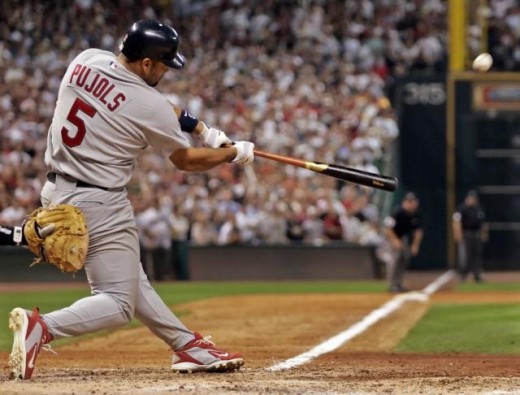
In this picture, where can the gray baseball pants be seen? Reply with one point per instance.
(120, 288)
(400, 264)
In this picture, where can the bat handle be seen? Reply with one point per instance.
(280, 158)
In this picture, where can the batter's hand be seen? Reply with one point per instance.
(214, 138)
(245, 154)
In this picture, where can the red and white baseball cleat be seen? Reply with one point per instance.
(30, 335)
(201, 355)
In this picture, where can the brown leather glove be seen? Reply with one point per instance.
(58, 235)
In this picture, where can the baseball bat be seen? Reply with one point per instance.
(343, 173)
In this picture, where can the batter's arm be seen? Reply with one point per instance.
(201, 159)
(211, 137)
(189, 124)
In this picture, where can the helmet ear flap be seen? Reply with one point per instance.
(178, 61)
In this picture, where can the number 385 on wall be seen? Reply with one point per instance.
(425, 93)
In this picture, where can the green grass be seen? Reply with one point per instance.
(466, 328)
(178, 292)
(472, 328)
(188, 291)
(489, 286)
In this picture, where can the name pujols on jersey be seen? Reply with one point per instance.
(98, 86)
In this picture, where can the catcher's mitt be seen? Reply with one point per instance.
(58, 235)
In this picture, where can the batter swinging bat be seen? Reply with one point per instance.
(341, 172)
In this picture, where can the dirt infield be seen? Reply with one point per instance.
(268, 329)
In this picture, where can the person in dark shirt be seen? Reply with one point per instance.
(404, 234)
(470, 233)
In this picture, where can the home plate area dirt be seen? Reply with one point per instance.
(268, 329)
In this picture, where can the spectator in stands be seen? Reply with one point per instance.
(155, 240)
(293, 76)
(203, 232)
(332, 229)
(295, 230)
(229, 232)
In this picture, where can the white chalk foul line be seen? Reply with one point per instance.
(433, 287)
(337, 341)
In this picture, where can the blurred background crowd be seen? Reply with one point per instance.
(302, 78)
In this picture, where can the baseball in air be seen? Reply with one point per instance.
(483, 62)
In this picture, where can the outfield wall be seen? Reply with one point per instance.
(291, 262)
(215, 263)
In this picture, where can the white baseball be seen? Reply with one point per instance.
(483, 62)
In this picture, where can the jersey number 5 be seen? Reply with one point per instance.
(72, 117)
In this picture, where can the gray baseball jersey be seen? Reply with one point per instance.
(104, 118)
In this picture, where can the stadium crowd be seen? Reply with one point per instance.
(302, 78)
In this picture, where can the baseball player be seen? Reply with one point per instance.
(404, 233)
(107, 113)
(470, 232)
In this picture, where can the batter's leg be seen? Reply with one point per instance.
(151, 310)
(113, 277)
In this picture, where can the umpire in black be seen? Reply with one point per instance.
(470, 233)
(404, 233)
